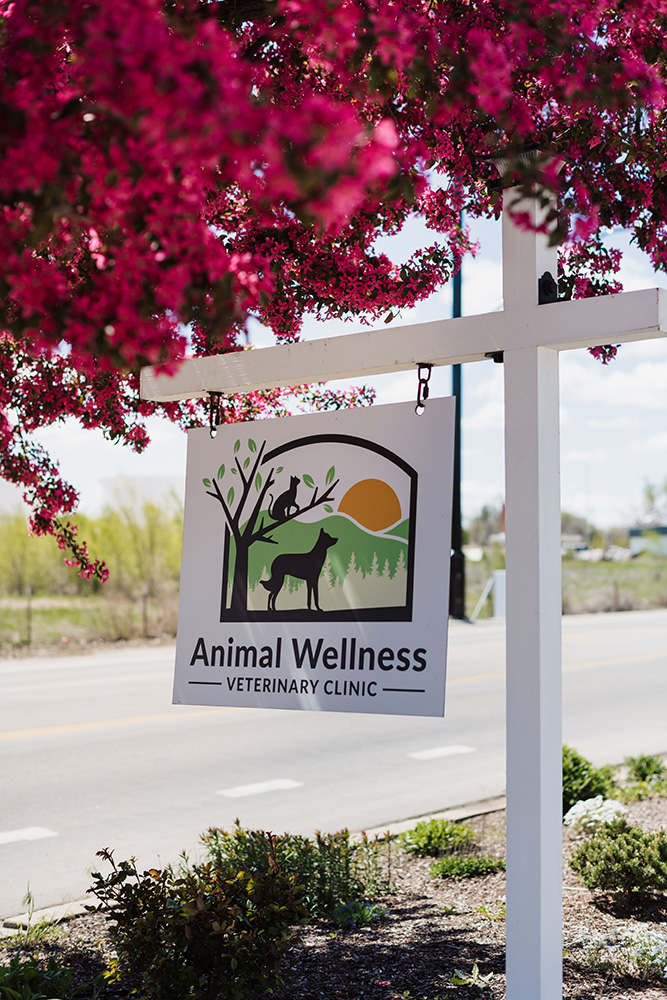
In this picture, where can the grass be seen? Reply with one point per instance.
(608, 586)
(587, 587)
(70, 622)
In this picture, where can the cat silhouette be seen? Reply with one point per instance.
(285, 502)
(302, 565)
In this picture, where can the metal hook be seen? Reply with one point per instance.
(214, 412)
(422, 386)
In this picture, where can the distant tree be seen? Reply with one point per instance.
(655, 503)
(573, 524)
(484, 524)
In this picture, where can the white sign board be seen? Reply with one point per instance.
(316, 554)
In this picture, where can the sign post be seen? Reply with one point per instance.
(529, 336)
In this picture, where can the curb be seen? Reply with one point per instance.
(77, 908)
(49, 915)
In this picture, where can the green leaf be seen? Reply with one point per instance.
(309, 481)
(237, 445)
(221, 472)
(328, 508)
(230, 495)
(330, 475)
(279, 469)
(247, 462)
(252, 446)
(206, 482)
(258, 482)
(234, 472)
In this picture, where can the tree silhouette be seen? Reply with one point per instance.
(258, 525)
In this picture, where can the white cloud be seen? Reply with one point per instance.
(601, 509)
(644, 387)
(481, 286)
(475, 495)
(489, 416)
(658, 442)
(565, 418)
(581, 455)
(621, 422)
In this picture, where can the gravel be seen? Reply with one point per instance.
(433, 929)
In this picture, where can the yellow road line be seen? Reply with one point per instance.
(499, 675)
(633, 658)
(80, 727)
(89, 682)
(584, 665)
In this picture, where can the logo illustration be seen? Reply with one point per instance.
(322, 527)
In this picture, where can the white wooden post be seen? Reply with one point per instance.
(532, 532)
(533, 637)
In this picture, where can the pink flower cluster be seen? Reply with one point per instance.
(172, 170)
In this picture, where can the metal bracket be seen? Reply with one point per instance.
(214, 412)
(496, 356)
(423, 374)
(547, 289)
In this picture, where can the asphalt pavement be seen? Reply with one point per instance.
(95, 755)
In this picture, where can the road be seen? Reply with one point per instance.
(94, 755)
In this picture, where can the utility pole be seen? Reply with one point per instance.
(457, 586)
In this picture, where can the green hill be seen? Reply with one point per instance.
(371, 550)
(401, 530)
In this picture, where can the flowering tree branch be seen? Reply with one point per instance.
(173, 169)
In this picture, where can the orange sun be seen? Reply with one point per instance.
(372, 503)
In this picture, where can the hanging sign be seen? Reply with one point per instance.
(315, 569)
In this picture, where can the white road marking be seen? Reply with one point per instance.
(277, 785)
(27, 833)
(450, 751)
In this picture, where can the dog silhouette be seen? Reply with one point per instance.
(302, 565)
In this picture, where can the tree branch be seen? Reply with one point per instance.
(231, 521)
(315, 502)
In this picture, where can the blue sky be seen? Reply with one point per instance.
(613, 419)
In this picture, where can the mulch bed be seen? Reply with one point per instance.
(433, 928)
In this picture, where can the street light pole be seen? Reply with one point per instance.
(457, 597)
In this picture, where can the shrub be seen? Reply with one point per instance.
(431, 838)
(466, 866)
(589, 814)
(636, 951)
(27, 981)
(639, 790)
(355, 914)
(330, 870)
(198, 934)
(622, 858)
(645, 767)
(582, 780)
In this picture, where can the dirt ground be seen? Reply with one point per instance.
(433, 929)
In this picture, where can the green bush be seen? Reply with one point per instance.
(645, 767)
(637, 791)
(330, 870)
(623, 858)
(198, 934)
(431, 838)
(466, 866)
(355, 914)
(27, 981)
(582, 780)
